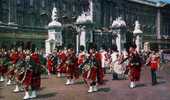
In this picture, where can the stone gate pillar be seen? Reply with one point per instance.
(138, 36)
(119, 29)
(54, 33)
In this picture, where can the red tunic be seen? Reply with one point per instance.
(81, 58)
(14, 57)
(71, 66)
(154, 63)
(35, 58)
(50, 65)
(61, 67)
(96, 71)
(21, 55)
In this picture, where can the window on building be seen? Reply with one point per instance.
(31, 2)
(18, 2)
(64, 6)
(43, 3)
(19, 19)
(74, 8)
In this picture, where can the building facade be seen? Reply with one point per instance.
(24, 22)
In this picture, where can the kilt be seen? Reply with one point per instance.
(90, 74)
(36, 81)
(77, 72)
(28, 78)
(11, 72)
(70, 69)
(3, 70)
(100, 75)
(62, 68)
(19, 77)
(134, 74)
(50, 68)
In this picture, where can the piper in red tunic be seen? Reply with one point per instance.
(72, 71)
(19, 71)
(134, 67)
(31, 78)
(36, 81)
(50, 64)
(14, 58)
(81, 57)
(61, 64)
(4, 63)
(92, 70)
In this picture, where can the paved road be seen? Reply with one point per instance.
(54, 89)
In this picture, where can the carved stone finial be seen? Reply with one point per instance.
(86, 16)
(137, 29)
(118, 22)
(54, 22)
(54, 13)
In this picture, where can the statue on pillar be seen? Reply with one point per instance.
(138, 36)
(86, 20)
(118, 27)
(54, 33)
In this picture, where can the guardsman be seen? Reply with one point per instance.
(81, 57)
(14, 58)
(19, 71)
(4, 64)
(72, 71)
(92, 70)
(36, 82)
(134, 67)
(153, 62)
(61, 62)
(31, 78)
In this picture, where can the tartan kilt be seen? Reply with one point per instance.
(11, 72)
(100, 75)
(90, 74)
(61, 68)
(50, 68)
(134, 74)
(36, 81)
(3, 70)
(70, 69)
(77, 72)
(28, 78)
(19, 77)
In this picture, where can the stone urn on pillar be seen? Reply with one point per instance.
(119, 30)
(84, 23)
(138, 36)
(54, 33)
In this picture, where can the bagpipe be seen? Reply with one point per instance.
(20, 71)
(87, 65)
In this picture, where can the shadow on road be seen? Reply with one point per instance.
(141, 85)
(160, 77)
(42, 88)
(161, 82)
(80, 82)
(1, 98)
(47, 95)
(104, 90)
